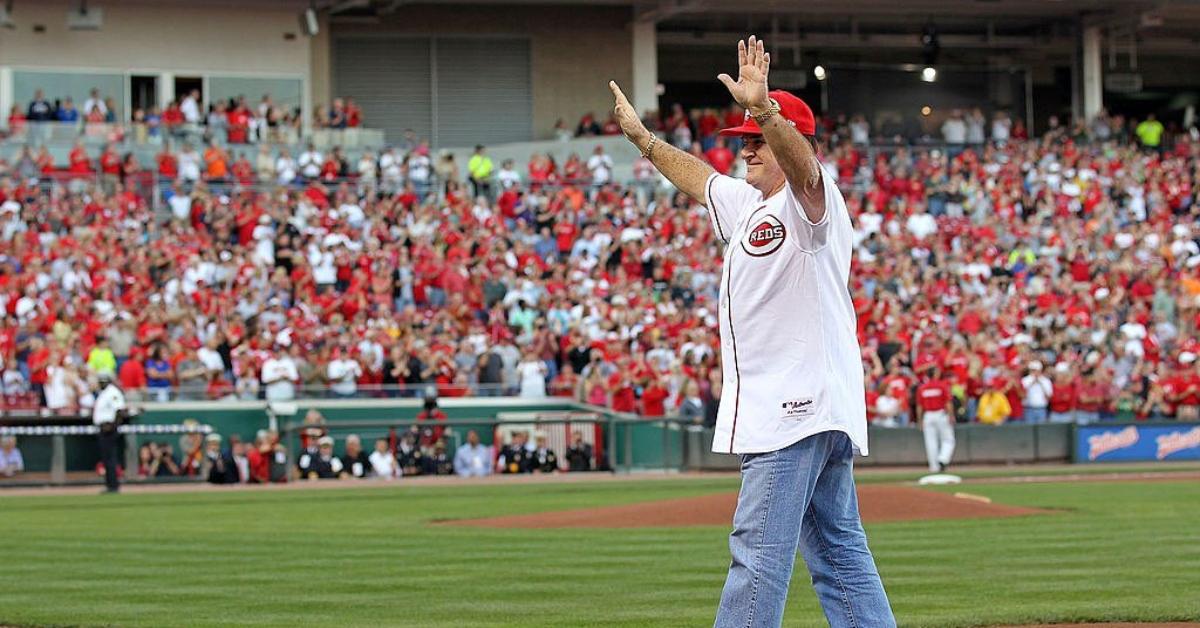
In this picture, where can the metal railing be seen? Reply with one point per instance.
(198, 392)
(80, 426)
(132, 134)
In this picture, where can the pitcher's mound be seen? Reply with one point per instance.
(877, 504)
(1158, 624)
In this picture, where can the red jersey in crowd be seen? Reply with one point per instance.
(1063, 397)
(624, 399)
(1092, 396)
(933, 395)
(653, 398)
(435, 432)
(720, 158)
(897, 386)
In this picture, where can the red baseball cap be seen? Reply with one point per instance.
(791, 108)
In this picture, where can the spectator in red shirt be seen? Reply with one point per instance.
(78, 161)
(654, 397)
(242, 170)
(898, 386)
(431, 422)
(110, 163)
(1095, 395)
(565, 383)
(16, 120)
(1064, 395)
(238, 122)
(259, 458)
(38, 360)
(353, 114)
(168, 164)
(172, 117)
(720, 157)
(620, 385)
(1168, 389)
(610, 126)
(132, 375)
(1188, 394)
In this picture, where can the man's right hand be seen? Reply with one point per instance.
(685, 171)
(627, 117)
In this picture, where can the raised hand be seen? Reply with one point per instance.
(750, 89)
(631, 124)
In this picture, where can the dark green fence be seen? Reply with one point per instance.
(630, 443)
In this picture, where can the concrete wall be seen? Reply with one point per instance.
(184, 37)
(574, 51)
(248, 39)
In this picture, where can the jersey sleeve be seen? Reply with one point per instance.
(813, 236)
(727, 198)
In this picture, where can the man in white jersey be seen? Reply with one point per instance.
(792, 403)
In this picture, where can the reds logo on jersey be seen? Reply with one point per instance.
(765, 237)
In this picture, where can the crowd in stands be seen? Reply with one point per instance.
(986, 264)
(419, 450)
(685, 128)
(233, 120)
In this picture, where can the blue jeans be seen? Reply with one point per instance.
(1035, 415)
(801, 497)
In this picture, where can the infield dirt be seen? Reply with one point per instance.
(880, 503)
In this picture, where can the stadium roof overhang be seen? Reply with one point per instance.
(1020, 25)
(1048, 26)
(1029, 27)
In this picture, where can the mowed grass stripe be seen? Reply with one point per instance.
(369, 557)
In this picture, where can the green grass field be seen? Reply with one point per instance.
(368, 557)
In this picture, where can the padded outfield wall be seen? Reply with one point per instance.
(632, 443)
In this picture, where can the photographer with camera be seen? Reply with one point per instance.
(219, 466)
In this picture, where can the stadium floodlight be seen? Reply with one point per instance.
(6, 15)
(929, 74)
(819, 72)
(85, 19)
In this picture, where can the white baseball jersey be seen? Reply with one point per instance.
(790, 357)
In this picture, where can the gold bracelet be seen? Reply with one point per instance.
(772, 109)
(650, 146)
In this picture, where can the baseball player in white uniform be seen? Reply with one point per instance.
(792, 403)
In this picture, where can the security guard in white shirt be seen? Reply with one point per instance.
(792, 401)
(110, 404)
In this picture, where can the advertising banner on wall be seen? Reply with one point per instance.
(1137, 443)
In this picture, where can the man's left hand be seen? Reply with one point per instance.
(750, 89)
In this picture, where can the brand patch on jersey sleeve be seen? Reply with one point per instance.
(765, 237)
(799, 408)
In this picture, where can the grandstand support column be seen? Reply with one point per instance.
(318, 87)
(1088, 65)
(644, 94)
(166, 89)
(131, 451)
(58, 459)
(6, 93)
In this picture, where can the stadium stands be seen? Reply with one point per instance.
(378, 274)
